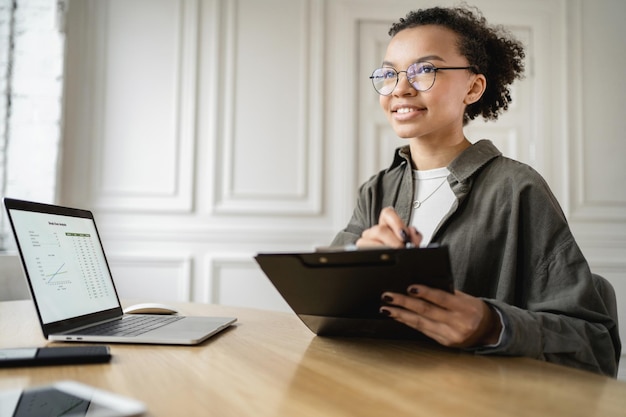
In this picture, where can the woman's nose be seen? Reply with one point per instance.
(403, 87)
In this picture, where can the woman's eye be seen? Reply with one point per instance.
(388, 74)
(425, 69)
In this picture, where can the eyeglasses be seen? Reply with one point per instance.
(421, 75)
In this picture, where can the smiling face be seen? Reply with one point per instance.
(437, 114)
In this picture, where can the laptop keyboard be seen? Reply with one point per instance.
(129, 326)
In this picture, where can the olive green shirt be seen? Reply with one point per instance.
(510, 244)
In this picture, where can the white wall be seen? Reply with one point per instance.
(203, 131)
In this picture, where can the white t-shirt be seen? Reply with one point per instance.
(433, 200)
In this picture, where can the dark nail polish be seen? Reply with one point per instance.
(387, 298)
(413, 290)
(385, 312)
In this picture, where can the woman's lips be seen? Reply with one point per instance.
(406, 112)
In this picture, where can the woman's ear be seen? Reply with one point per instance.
(476, 90)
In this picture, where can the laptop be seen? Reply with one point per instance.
(337, 293)
(73, 289)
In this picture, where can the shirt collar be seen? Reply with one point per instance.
(472, 159)
(464, 165)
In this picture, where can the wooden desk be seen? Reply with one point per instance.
(269, 364)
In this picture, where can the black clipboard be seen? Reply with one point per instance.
(338, 293)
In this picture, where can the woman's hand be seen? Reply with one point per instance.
(455, 320)
(390, 231)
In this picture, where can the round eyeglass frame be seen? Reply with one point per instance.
(412, 73)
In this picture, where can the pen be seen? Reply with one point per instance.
(406, 239)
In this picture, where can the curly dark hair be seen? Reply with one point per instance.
(491, 50)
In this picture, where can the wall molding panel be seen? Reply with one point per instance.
(250, 179)
(236, 279)
(158, 276)
(589, 200)
(151, 116)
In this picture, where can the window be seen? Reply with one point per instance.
(31, 92)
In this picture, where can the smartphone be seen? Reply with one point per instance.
(54, 356)
(68, 399)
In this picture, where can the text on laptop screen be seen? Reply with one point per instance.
(66, 264)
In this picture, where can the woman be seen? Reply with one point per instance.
(523, 286)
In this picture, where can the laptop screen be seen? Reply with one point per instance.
(65, 264)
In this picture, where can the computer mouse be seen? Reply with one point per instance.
(150, 308)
